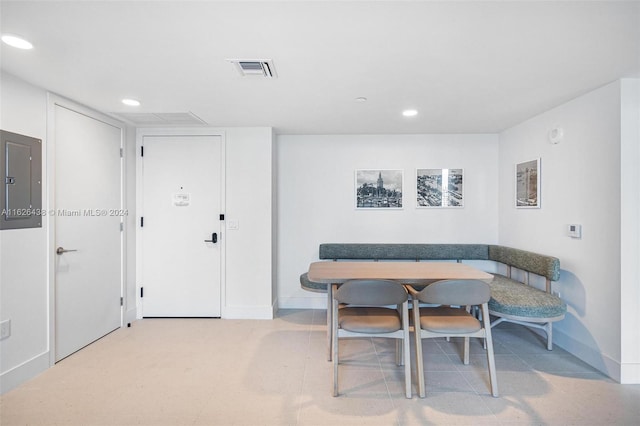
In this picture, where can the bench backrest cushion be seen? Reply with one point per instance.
(546, 266)
(373, 251)
(453, 251)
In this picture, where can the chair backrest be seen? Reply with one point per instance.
(456, 292)
(371, 292)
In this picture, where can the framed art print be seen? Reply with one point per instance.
(528, 184)
(439, 188)
(379, 189)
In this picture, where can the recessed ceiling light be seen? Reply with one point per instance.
(17, 42)
(131, 102)
(409, 112)
(361, 99)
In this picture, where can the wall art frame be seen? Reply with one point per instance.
(439, 188)
(527, 184)
(379, 189)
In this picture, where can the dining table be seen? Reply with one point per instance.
(418, 274)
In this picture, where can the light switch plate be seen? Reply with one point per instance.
(574, 231)
(5, 329)
(232, 224)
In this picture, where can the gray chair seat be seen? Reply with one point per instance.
(448, 320)
(370, 320)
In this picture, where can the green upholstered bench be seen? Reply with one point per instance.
(520, 303)
(511, 300)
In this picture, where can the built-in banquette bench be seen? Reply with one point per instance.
(511, 300)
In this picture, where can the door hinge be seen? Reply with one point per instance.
(142, 151)
(121, 301)
(141, 291)
(121, 153)
(141, 222)
(121, 226)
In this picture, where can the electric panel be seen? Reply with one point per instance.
(21, 181)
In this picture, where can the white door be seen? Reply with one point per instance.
(88, 239)
(180, 226)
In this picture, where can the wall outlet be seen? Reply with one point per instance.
(5, 329)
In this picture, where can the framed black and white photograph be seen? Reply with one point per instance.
(528, 184)
(439, 188)
(379, 189)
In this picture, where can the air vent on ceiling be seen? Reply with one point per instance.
(161, 118)
(255, 67)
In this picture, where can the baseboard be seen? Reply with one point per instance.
(26, 371)
(318, 302)
(630, 374)
(248, 312)
(590, 355)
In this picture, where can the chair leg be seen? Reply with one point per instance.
(405, 350)
(465, 359)
(480, 317)
(329, 322)
(334, 346)
(465, 354)
(549, 329)
(490, 357)
(418, 340)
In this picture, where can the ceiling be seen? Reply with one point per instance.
(467, 67)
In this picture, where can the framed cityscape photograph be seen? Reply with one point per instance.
(379, 189)
(528, 184)
(439, 188)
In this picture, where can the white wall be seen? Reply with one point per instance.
(581, 184)
(24, 297)
(316, 185)
(249, 202)
(630, 231)
(130, 225)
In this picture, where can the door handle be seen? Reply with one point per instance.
(61, 250)
(214, 238)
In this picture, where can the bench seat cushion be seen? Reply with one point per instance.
(510, 297)
(309, 285)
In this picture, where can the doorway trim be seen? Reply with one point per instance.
(141, 133)
(54, 101)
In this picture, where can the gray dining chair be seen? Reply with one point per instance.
(451, 318)
(361, 309)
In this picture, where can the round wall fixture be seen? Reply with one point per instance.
(555, 135)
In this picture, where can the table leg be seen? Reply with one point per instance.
(329, 320)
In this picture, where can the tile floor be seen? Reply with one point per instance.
(245, 372)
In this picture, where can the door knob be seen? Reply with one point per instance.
(61, 250)
(214, 238)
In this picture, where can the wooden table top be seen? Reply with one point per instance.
(407, 272)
